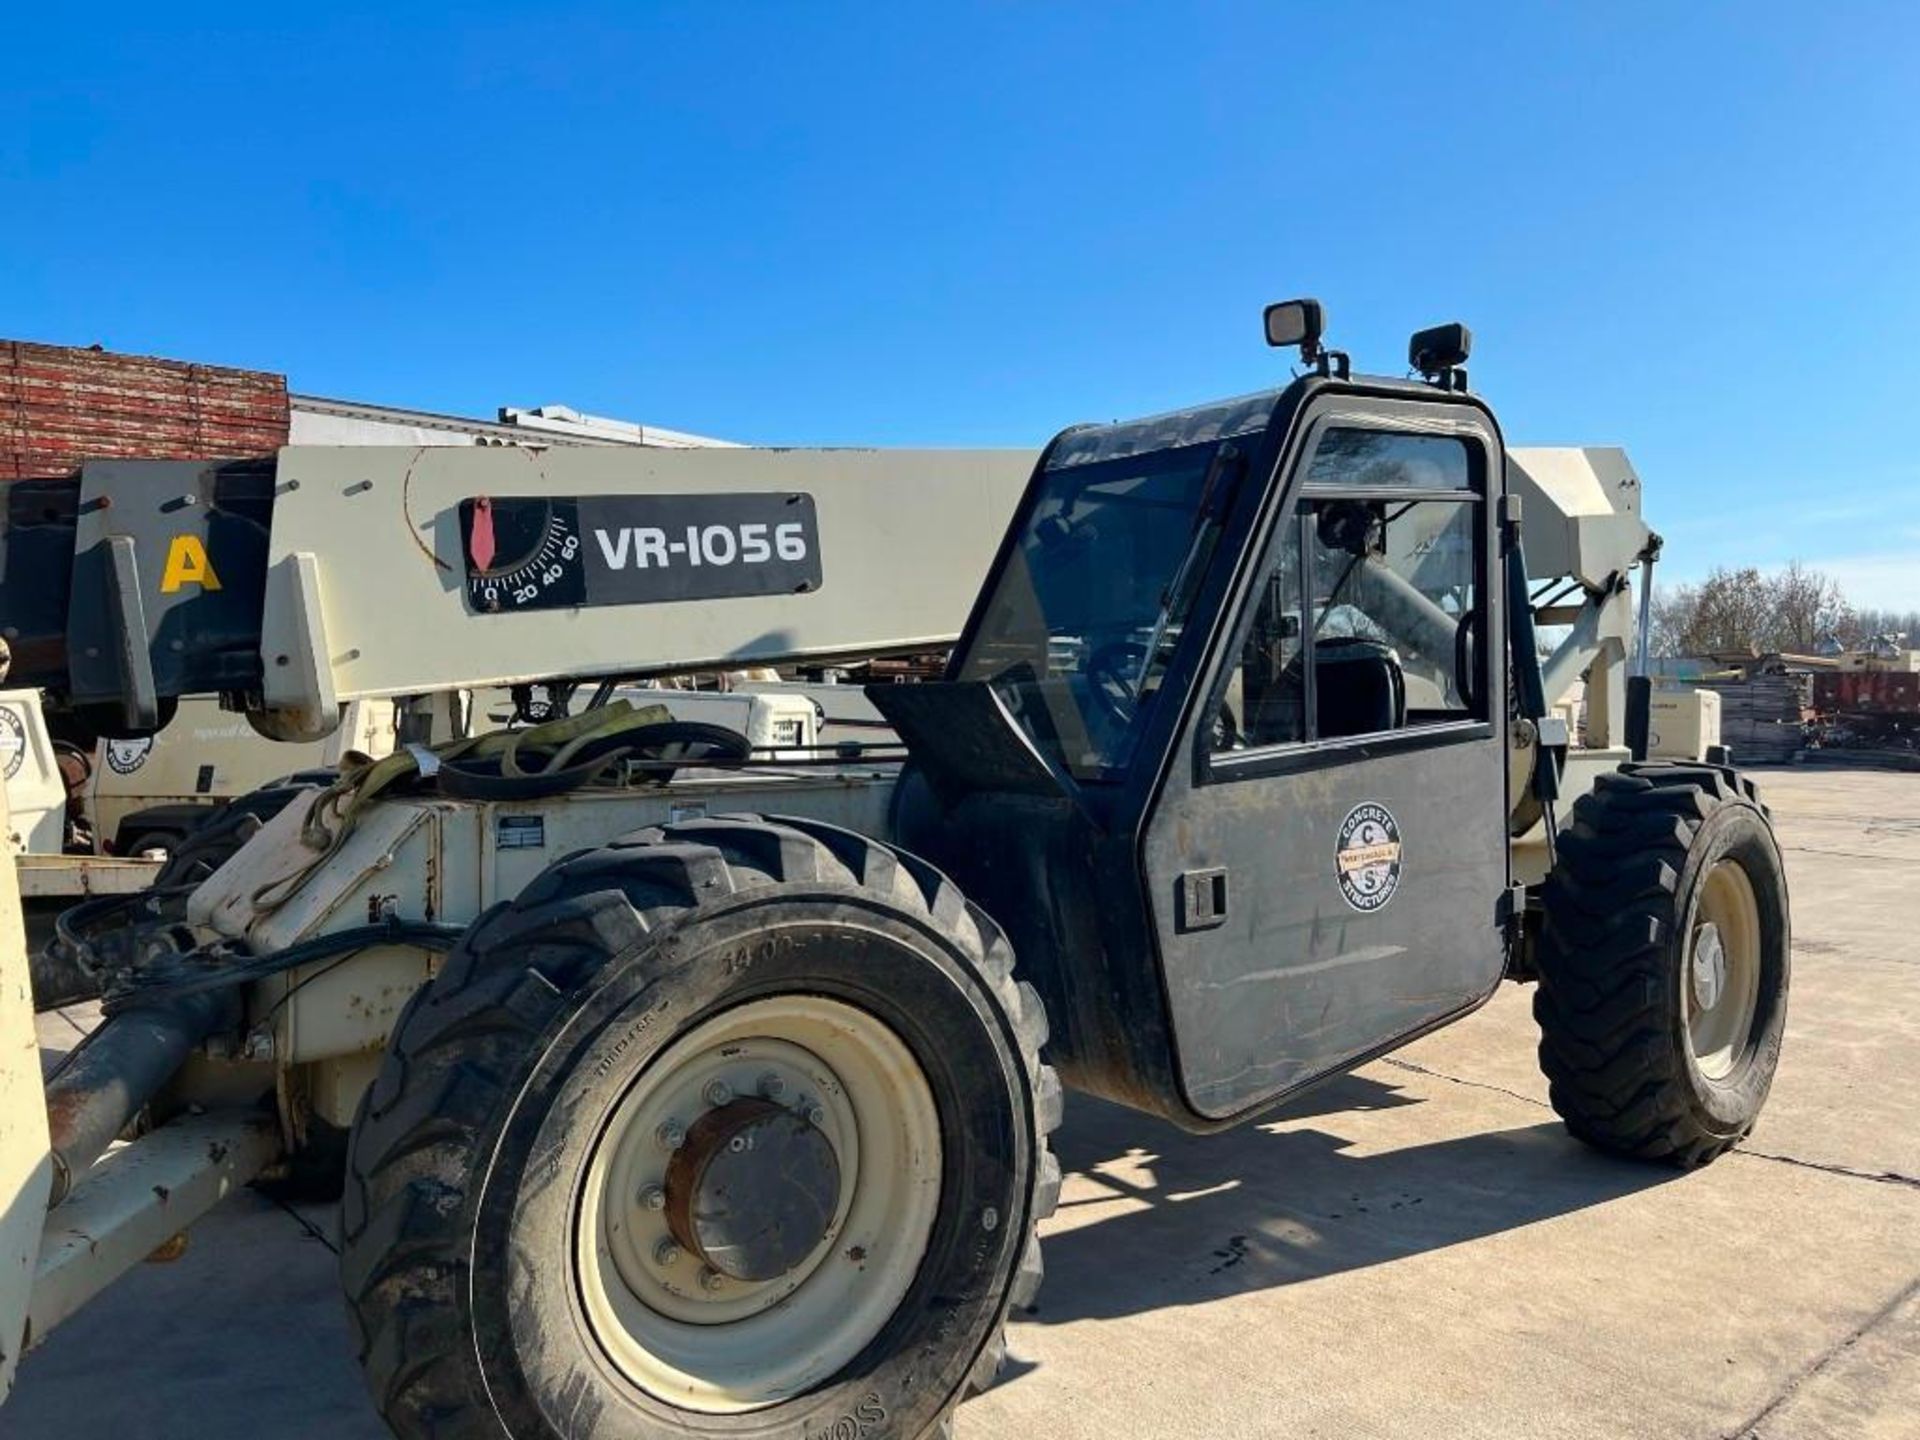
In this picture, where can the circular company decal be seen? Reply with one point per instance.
(126, 756)
(1367, 859)
(13, 741)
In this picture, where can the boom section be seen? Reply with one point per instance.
(405, 570)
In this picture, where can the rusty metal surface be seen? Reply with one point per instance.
(52, 877)
(60, 405)
(1884, 692)
(118, 1069)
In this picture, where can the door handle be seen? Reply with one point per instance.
(1203, 899)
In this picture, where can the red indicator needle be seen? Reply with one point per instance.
(480, 543)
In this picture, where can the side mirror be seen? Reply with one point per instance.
(1296, 322)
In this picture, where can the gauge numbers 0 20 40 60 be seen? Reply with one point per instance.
(522, 554)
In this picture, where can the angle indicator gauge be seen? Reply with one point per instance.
(522, 553)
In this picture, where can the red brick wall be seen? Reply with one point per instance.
(60, 405)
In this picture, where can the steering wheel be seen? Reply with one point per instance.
(1464, 678)
(1226, 730)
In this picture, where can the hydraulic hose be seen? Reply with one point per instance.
(157, 1014)
(113, 1073)
(1524, 651)
(558, 744)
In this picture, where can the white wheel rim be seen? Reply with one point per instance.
(1721, 974)
(744, 1345)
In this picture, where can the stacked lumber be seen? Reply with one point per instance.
(60, 405)
(1761, 715)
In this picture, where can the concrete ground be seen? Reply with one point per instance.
(1417, 1251)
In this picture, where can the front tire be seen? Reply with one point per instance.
(718, 990)
(1664, 963)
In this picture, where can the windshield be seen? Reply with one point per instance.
(1080, 625)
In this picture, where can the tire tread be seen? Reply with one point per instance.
(1611, 906)
(461, 1041)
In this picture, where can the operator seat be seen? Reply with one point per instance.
(1359, 687)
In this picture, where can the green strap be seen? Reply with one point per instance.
(334, 812)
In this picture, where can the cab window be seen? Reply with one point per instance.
(1082, 623)
(1365, 619)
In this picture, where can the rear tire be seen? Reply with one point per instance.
(153, 844)
(496, 1286)
(1664, 963)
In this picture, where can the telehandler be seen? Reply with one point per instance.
(681, 1089)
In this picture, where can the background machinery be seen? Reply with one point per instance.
(682, 1085)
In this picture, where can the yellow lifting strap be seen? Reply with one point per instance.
(334, 812)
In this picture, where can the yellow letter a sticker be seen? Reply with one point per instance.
(187, 564)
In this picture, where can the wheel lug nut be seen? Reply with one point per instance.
(718, 1092)
(816, 1114)
(712, 1280)
(772, 1087)
(671, 1135)
(666, 1254)
(654, 1198)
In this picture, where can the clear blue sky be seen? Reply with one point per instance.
(1693, 230)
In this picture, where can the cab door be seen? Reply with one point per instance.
(1326, 859)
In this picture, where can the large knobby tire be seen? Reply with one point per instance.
(1664, 963)
(496, 1284)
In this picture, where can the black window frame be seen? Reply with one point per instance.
(1151, 463)
(1286, 756)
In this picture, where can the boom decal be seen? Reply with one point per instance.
(187, 564)
(543, 553)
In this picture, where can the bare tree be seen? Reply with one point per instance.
(1807, 606)
(1729, 611)
(1674, 609)
(1867, 623)
(1746, 612)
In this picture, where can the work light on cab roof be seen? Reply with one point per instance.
(1437, 353)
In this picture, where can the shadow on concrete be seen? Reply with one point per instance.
(1181, 1219)
(243, 1338)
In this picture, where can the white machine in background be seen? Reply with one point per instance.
(779, 722)
(145, 794)
(37, 834)
(36, 795)
(140, 797)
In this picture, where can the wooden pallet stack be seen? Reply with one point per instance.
(1761, 714)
